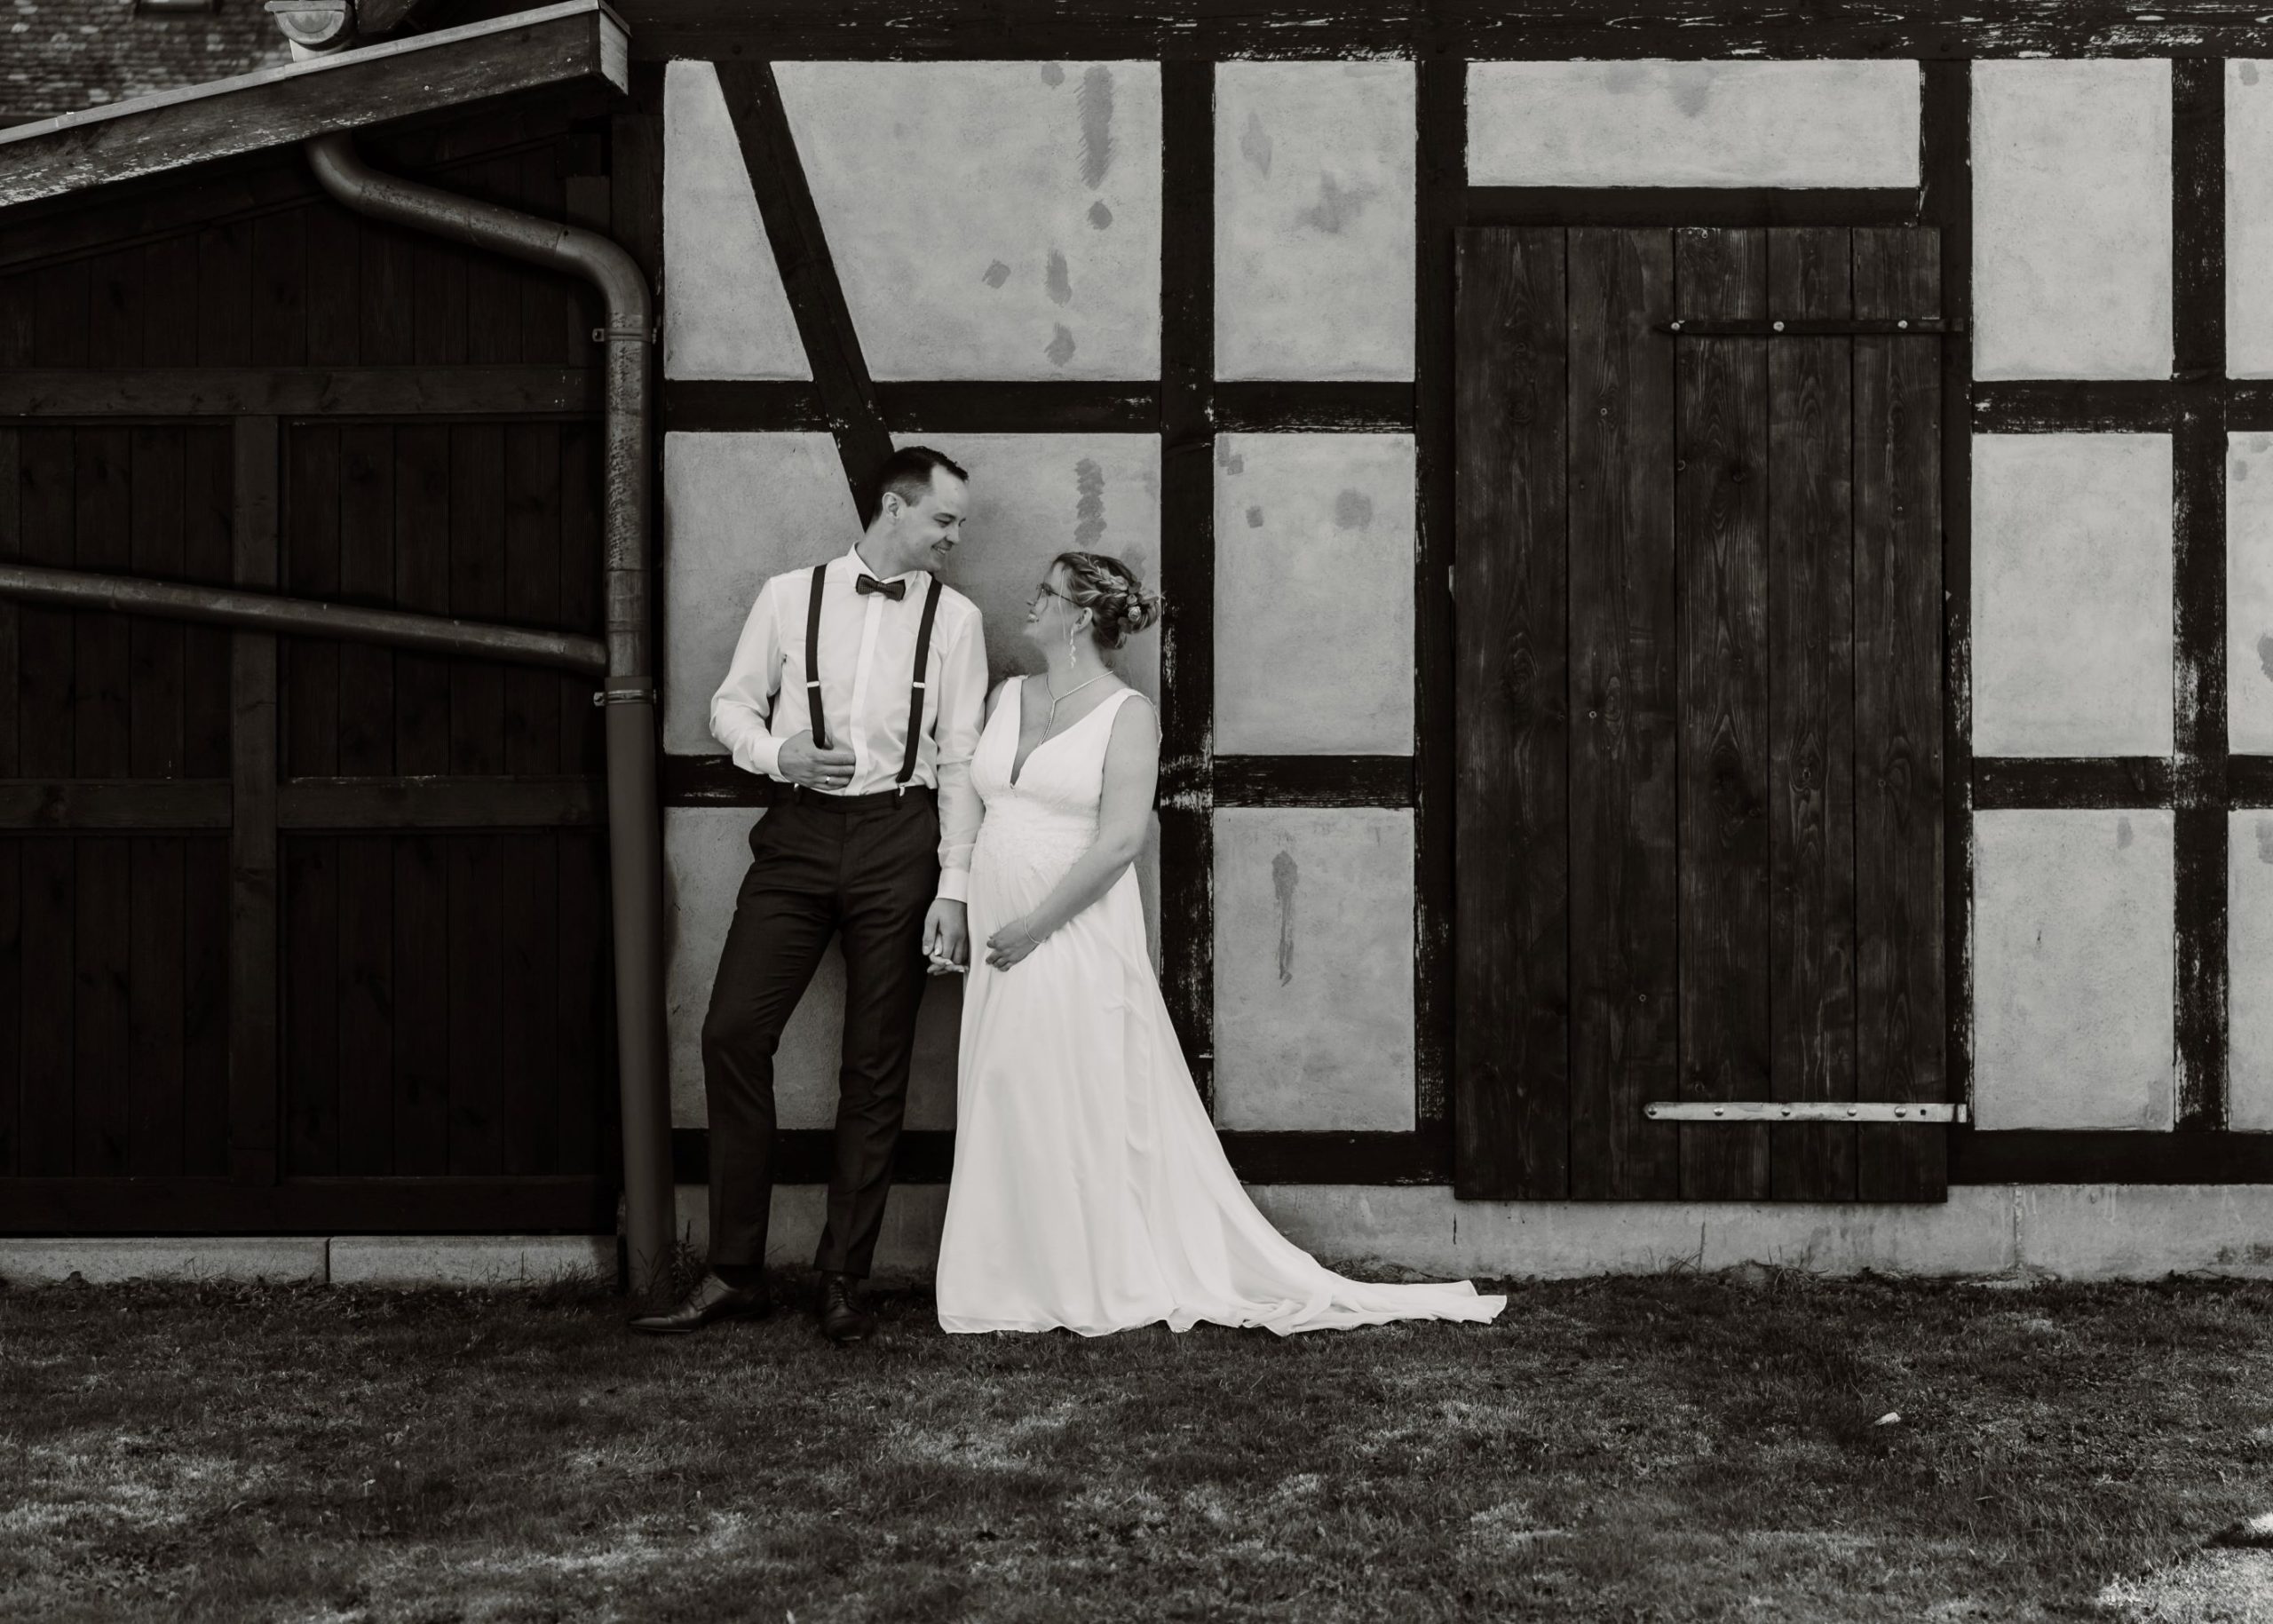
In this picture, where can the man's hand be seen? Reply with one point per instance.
(946, 937)
(802, 762)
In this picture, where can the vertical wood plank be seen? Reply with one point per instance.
(493, 284)
(1812, 714)
(438, 287)
(51, 919)
(169, 302)
(1721, 490)
(422, 1007)
(11, 1007)
(530, 722)
(335, 285)
(583, 741)
(114, 309)
(585, 994)
(253, 999)
(312, 522)
(62, 320)
(46, 638)
(1512, 1103)
(421, 564)
(475, 991)
(11, 547)
(208, 556)
(476, 592)
(154, 646)
(1625, 1036)
(1900, 1048)
(280, 265)
(103, 523)
(161, 948)
(225, 296)
(527, 1027)
(367, 1007)
(366, 699)
(310, 951)
(102, 950)
(387, 325)
(206, 1008)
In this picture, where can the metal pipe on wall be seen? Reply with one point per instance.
(635, 822)
(75, 588)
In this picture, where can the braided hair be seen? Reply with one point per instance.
(1109, 589)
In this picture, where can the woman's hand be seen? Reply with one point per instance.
(1011, 944)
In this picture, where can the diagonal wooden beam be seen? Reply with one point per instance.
(785, 203)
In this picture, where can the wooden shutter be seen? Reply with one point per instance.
(1698, 725)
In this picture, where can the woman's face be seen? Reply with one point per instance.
(1048, 613)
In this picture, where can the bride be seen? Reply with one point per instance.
(1089, 1191)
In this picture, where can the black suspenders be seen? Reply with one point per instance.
(915, 691)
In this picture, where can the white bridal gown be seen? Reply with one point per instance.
(1090, 1190)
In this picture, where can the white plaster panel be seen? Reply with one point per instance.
(1666, 124)
(1314, 219)
(2249, 591)
(706, 852)
(2071, 594)
(2249, 219)
(1314, 539)
(2249, 970)
(989, 219)
(2071, 233)
(1314, 969)
(737, 508)
(2073, 969)
(726, 314)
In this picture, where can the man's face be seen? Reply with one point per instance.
(929, 529)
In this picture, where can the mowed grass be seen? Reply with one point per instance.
(1663, 1449)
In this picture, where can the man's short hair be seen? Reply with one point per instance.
(907, 471)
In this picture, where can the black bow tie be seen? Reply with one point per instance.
(893, 589)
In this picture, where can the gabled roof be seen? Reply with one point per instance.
(59, 56)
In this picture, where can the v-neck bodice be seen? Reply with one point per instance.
(1050, 809)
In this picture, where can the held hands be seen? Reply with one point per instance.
(803, 762)
(946, 937)
(1011, 944)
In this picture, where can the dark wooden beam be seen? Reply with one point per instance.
(714, 780)
(255, 1006)
(1313, 780)
(2008, 782)
(1281, 407)
(532, 803)
(303, 391)
(577, 39)
(927, 1157)
(71, 805)
(1691, 206)
(534, 1204)
(1185, 30)
(2080, 1156)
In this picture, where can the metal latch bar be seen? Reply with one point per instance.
(1810, 327)
(1802, 1111)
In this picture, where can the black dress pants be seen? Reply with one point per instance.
(865, 867)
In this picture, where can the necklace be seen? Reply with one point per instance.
(1057, 699)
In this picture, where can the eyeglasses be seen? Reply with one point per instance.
(1045, 590)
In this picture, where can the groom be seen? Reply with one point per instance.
(860, 685)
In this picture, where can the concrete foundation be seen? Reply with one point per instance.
(2073, 1232)
(344, 1260)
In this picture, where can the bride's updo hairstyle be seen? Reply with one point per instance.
(1109, 589)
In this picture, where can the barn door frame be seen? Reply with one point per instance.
(1491, 1160)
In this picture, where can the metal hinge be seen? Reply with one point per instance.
(1800, 1111)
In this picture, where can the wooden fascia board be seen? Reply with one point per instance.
(348, 90)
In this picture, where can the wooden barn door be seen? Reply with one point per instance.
(1698, 734)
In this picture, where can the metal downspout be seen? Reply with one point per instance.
(635, 845)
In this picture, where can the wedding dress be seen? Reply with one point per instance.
(1090, 1190)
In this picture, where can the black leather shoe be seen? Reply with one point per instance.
(711, 1299)
(842, 1317)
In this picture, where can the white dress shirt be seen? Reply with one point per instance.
(867, 661)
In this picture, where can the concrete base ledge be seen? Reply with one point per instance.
(2071, 1232)
(344, 1260)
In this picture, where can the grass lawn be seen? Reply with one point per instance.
(1661, 1449)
